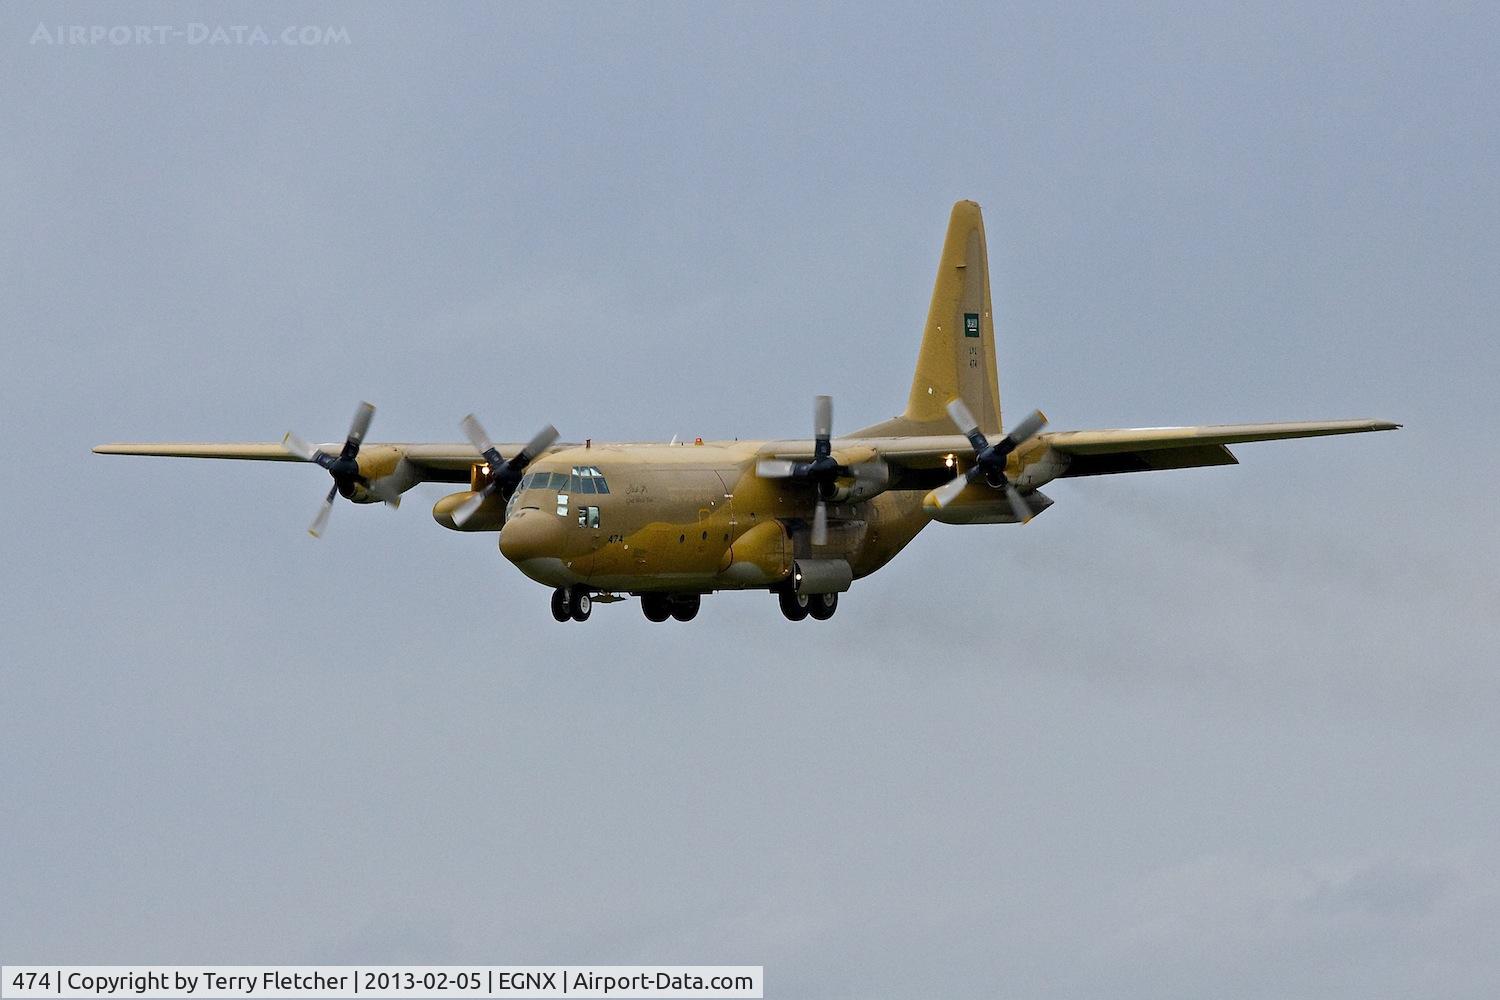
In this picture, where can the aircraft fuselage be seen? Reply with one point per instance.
(684, 518)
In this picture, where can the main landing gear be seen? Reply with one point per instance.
(797, 606)
(660, 607)
(576, 604)
(568, 604)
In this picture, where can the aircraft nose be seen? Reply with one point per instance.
(531, 534)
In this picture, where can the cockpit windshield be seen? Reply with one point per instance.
(582, 479)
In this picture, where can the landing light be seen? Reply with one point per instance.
(948, 461)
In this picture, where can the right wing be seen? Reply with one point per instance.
(434, 463)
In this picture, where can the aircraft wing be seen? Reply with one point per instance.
(1102, 452)
(1095, 453)
(445, 463)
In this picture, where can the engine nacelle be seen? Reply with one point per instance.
(385, 474)
(981, 504)
(489, 517)
(1041, 469)
(869, 479)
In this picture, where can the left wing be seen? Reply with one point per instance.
(917, 460)
(1142, 449)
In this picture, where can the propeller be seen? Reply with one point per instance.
(989, 459)
(823, 471)
(504, 474)
(343, 467)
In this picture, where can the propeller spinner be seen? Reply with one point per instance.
(504, 474)
(989, 459)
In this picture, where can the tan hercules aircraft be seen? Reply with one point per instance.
(802, 519)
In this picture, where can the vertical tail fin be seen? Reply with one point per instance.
(957, 358)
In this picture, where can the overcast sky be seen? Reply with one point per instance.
(1226, 732)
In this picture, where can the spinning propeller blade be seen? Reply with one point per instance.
(775, 468)
(321, 521)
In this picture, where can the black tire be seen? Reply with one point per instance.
(793, 605)
(822, 606)
(654, 607)
(581, 605)
(560, 609)
(686, 609)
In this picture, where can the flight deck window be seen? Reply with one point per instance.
(588, 479)
(562, 505)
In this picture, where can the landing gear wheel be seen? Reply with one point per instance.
(560, 609)
(655, 607)
(793, 605)
(580, 605)
(686, 609)
(822, 606)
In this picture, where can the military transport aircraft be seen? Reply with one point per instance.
(669, 523)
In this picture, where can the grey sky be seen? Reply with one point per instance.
(1224, 732)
